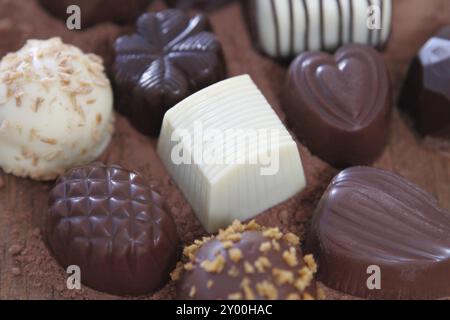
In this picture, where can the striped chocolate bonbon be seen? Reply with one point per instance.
(285, 28)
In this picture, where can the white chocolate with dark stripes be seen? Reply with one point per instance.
(285, 28)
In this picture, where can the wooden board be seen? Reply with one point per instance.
(27, 270)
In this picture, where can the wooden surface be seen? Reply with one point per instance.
(26, 268)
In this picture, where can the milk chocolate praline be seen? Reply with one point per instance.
(109, 222)
(339, 106)
(246, 262)
(169, 57)
(376, 235)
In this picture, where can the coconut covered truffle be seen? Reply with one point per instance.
(55, 109)
(247, 262)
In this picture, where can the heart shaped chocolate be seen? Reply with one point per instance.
(371, 222)
(340, 106)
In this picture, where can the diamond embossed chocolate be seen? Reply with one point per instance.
(110, 223)
(170, 57)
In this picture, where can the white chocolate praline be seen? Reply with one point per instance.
(56, 109)
(242, 183)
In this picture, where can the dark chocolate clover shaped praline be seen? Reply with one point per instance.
(169, 57)
(111, 224)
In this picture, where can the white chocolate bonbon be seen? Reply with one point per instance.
(254, 174)
(56, 109)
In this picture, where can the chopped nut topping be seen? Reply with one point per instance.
(235, 296)
(248, 268)
(215, 266)
(188, 266)
(192, 292)
(48, 140)
(235, 254)
(233, 272)
(252, 226)
(52, 155)
(267, 290)
(248, 292)
(176, 273)
(276, 245)
(309, 260)
(273, 233)
(37, 104)
(190, 251)
(265, 247)
(305, 279)
(283, 276)
(261, 264)
(18, 96)
(307, 296)
(293, 296)
(292, 239)
(27, 153)
(227, 244)
(290, 257)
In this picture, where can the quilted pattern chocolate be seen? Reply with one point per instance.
(110, 223)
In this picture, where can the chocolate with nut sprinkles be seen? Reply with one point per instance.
(246, 262)
(110, 223)
(170, 57)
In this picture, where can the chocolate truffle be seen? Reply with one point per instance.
(207, 5)
(56, 109)
(371, 219)
(426, 91)
(247, 262)
(97, 11)
(340, 106)
(108, 221)
(170, 57)
(285, 28)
